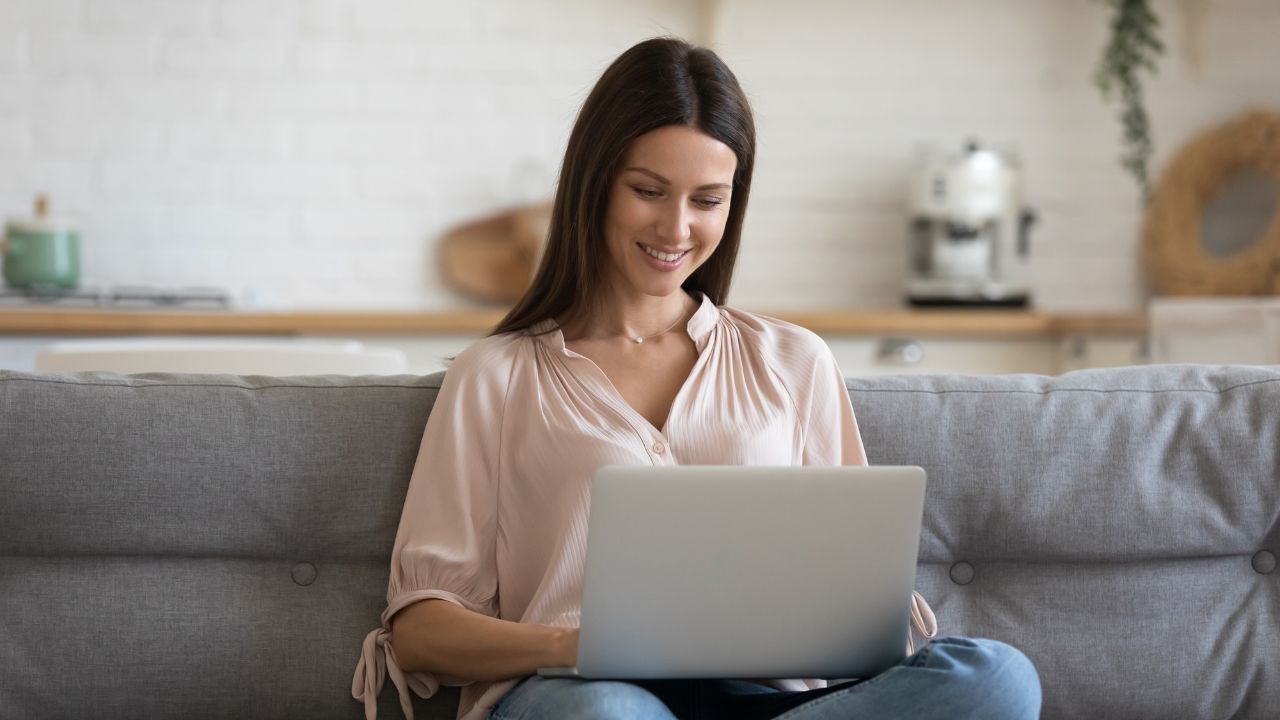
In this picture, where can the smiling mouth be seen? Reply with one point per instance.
(665, 257)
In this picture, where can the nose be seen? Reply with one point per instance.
(673, 224)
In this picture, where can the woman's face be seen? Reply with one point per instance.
(671, 198)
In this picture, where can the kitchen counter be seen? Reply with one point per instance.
(997, 323)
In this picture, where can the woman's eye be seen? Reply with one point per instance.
(705, 204)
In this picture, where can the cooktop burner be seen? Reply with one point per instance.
(118, 296)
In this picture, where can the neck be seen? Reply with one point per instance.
(642, 316)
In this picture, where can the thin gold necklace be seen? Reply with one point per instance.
(639, 339)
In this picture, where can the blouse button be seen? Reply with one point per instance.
(658, 448)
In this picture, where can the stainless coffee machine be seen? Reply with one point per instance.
(969, 231)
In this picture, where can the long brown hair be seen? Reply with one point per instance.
(658, 82)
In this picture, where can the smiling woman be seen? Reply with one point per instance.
(622, 352)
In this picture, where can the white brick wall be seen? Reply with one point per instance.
(843, 92)
(313, 151)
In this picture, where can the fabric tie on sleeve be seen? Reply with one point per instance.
(377, 655)
(923, 619)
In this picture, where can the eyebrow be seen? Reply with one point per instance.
(664, 181)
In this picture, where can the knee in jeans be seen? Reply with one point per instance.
(1002, 655)
(990, 669)
(594, 700)
(1010, 674)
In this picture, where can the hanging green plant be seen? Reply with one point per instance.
(1132, 47)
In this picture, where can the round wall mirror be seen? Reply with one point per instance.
(1240, 213)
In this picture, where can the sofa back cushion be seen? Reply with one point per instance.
(218, 545)
(199, 545)
(1120, 526)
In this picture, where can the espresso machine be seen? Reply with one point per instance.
(969, 231)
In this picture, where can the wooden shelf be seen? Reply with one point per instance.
(945, 323)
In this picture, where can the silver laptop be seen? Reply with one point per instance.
(748, 572)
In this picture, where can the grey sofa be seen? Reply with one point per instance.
(216, 546)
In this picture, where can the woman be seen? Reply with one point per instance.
(622, 352)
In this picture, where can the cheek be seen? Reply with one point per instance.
(711, 231)
(627, 214)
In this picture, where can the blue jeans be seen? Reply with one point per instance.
(950, 677)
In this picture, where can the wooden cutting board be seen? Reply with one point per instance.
(493, 259)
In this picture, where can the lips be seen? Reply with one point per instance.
(658, 263)
(663, 255)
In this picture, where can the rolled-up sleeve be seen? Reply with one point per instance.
(444, 546)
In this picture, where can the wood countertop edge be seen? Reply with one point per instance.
(938, 323)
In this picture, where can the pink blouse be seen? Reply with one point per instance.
(495, 517)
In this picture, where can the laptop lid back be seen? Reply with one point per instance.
(749, 572)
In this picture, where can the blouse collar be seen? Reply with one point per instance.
(700, 325)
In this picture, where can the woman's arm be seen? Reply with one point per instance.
(438, 636)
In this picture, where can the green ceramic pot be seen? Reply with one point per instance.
(41, 254)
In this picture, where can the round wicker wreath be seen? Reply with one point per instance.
(1173, 248)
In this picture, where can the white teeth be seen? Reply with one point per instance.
(668, 257)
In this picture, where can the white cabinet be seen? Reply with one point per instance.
(1215, 330)
(1042, 356)
(1078, 352)
(894, 355)
(19, 353)
(426, 354)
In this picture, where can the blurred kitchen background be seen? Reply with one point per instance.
(308, 161)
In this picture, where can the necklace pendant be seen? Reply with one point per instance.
(639, 340)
